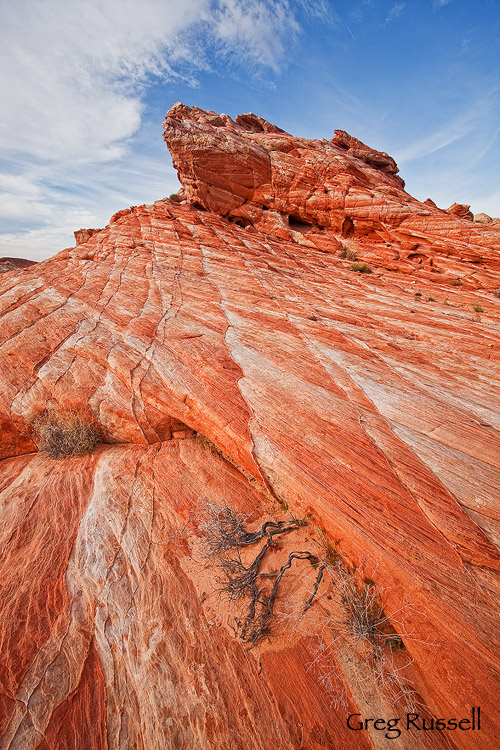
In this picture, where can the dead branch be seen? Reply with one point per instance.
(319, 578)
(257, 625)
(224, 529)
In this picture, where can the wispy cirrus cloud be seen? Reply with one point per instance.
(254, 29)
(451, 131)
(395, 12)
(454, 148)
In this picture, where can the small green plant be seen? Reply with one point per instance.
(395, 643)
(347, 252)
(208, 444)
(430, 299)
(477, 308)
(360, 267)
(284, 506)
(331, 555)
(65, 433)
(175, 198)
(456, 282)
(299, 521)
(418, 294)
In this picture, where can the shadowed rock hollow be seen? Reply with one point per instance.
(230, 355)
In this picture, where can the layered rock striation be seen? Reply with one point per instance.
(255, 174)
(230, 355)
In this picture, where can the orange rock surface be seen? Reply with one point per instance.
(83, 235)
(230, 355)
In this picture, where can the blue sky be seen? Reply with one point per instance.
(85, 85)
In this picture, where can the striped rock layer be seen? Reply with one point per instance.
(230, 355)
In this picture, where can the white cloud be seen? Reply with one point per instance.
(73, 75)
(19, 194)
(246, 28)
(72, 70)
(90, 197)
(38, 244)
(68, 69)
(395, 12)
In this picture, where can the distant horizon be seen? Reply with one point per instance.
(88, 84)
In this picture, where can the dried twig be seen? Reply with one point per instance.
(224, 536)
(224, 529)
(256, 626)
(319, 578)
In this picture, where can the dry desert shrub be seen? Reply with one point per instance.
(360, 267)
(224, 535)
(347, 252)
(370, 639)
(223, 529)
(65, 433)
(356, 626)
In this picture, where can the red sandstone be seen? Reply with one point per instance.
(369, 400)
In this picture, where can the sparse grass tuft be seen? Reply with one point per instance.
(360, 268)
(65, 433)
(175, 198)
(477, 308)
(359, 631)
(347, 252)
(331, 555)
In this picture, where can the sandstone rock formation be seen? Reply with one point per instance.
(305, 190)
(83, 235)
(250, 366)
(462, 210)
(484, 218)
